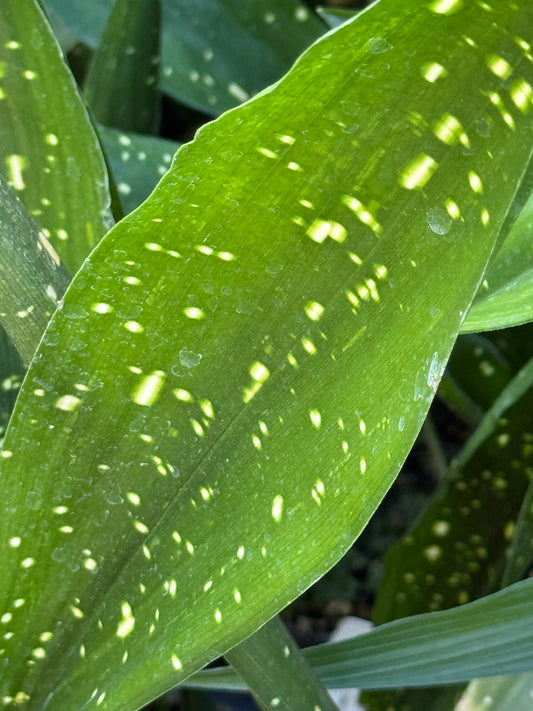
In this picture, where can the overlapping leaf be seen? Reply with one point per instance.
(52, 157)
(241, 366)
(506, 295)
(137, 163)
(492, 635)
(199, 65)
(121, 84)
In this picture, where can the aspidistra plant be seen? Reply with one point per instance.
(237, 371)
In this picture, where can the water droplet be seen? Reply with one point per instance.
(75, 311)
(34, 500)
(113, 498)
(438, 220)
(188, 358)
(59, 555)
(377, 45)
(483, 127)
(350, 107)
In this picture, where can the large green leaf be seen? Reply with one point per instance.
(48, 149)
(121, 84)
(199, 65)
(242, 364)
(483, 638)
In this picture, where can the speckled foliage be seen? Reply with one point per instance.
(239, 368)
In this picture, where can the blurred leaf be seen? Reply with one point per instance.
(200, 67)
(506, 294)
(276, 671)
(457, 549)
(501, 693)
(137, 163)
(32, 279)
(51, 157)
(489, 636)
(221, 414)
(475, 375)
(121, 85)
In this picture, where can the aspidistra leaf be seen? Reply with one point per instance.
(482, 638)
(198, 65)
(121, 84)
(32, 278)
(49, 152)
(506, 294)
(256, 348)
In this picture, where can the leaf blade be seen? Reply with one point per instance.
(236, 380)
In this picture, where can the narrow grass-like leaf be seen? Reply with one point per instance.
(32, 278)
(501, 693)
(138, 162)
(506, 295)
(491, 636)
(199, 66)
(476, 374)
(52, 157)
(221, 414)
(276, 671)
(516, 388)
(121, 85)
(520, 553)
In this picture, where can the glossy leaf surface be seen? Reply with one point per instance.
(456, 551)
(216, 399)
(51, 158)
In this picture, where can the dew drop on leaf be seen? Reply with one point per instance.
(188, 358)
(438, 220)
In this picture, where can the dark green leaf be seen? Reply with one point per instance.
(138, 162)
(199, 65)
(121, 85)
